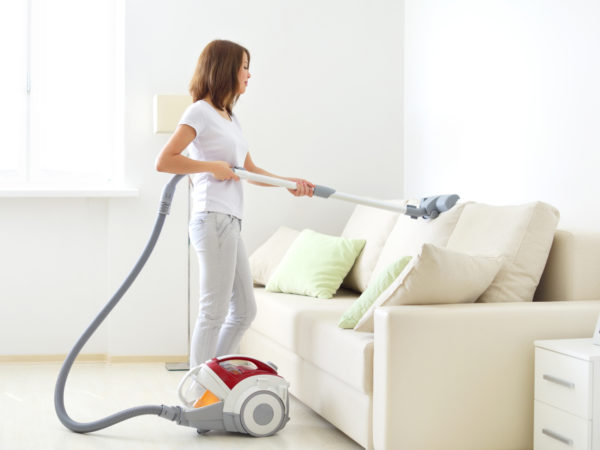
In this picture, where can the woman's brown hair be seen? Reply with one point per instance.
(216, 73)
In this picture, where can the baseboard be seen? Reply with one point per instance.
(96, 357)
(146, 358)
(93, 357)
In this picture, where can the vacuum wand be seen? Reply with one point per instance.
(429, 207)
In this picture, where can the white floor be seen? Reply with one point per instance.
(94, 390)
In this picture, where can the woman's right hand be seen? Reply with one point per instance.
(223, 172)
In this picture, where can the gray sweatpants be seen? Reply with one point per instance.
(227, 304)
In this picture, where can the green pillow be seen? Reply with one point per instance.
(362, 304)
(315, 265)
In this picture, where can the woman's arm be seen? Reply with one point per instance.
(303, 187)
(171, 160)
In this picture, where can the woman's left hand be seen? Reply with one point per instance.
(303, 187)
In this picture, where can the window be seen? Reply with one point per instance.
(61, 86)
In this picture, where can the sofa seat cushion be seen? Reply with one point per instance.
(308, 327)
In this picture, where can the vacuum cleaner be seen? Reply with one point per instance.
(233, 393)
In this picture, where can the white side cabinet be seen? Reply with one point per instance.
(567, 395)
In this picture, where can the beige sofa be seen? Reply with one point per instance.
(444, 376)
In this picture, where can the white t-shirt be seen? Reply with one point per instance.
(217, 139)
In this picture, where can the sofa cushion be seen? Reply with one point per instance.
(437, 275)
(315, 264)
(521, 234)
(373, 225)
(408, 236)
(307, 327)
(381, 282)
(265, 259)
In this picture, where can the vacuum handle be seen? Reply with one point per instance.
(246, 175)
(257, 362)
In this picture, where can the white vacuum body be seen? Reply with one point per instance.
(234, 393)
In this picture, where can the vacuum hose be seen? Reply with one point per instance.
(59, 391)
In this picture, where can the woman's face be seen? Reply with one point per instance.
(243, 75)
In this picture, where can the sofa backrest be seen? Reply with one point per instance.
(572, 271)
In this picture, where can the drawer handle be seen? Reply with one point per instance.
(560, 381)
(557, 436)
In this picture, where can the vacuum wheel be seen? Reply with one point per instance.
(262, 414)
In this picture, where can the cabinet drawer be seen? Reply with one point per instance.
(554, 429)
(564, 382)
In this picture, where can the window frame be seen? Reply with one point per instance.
(30, 178)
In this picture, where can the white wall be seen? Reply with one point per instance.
(502, 102)
(324, 102)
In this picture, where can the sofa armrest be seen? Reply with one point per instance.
(461, 376)
(571, 272)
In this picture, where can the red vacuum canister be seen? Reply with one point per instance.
(247, 393)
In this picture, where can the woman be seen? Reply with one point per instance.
(227, 305)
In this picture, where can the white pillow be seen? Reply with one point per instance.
(408, 236)
(521, 234)
(436, 275)
(374, 226)
(265, 259)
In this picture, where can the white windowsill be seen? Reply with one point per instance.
(43, 191)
